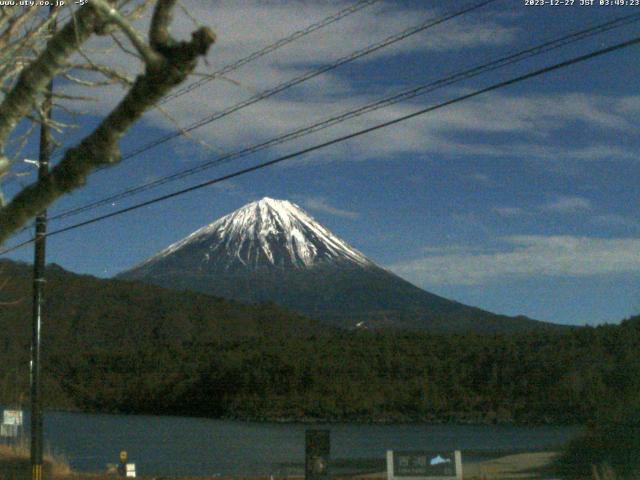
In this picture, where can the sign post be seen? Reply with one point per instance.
(8, 430)
(12, 417)
(12, 421)
(39, 280)
(126, 469)
(424, 465)
(131, 470)
(122, 466)
(317, 455)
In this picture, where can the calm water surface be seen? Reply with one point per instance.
(197, 446)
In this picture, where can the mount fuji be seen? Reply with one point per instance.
(273, 251)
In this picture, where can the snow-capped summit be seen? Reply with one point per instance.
(273, 251)
(263, 234)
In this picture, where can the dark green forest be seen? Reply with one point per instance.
(365, 377)
(116, 346)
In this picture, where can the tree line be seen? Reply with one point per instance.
(365, 376)
(115, 346)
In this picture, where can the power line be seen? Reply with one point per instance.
(343, 138)
(308, 76)
(304, 77)
(385, 102)
(339, 15)
(270, 48)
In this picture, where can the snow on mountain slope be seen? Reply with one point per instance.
(265, 233)
(272, 251)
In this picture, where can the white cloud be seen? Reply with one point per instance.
(542, 150)
(526, 256)
(602, 152)
(508, 211)
(321, 204)
(454, 249)
(629, 105)
(229, 188)
(615, 220)
(560, 204)
(481, 178)
(244, 27)
(567, 204)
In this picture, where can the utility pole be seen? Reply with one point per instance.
(38, 285)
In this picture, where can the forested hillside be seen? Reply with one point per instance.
(368, 377)
(85, 315)
(145, 349)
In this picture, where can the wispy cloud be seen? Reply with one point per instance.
(630, 105)
(525, 256)
(481, 178)
(509, 211)
(559, 204)
(616, 221)
(321, 204)
(567, 204)
(244, 27)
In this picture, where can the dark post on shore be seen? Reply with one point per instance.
(317, 455)
(38, 287)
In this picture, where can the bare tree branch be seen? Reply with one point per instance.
(87, 83)
(177, 61)
(124, 48)
(110, 73)
(159, 36)
(17, 49)
(14, 23)
(138, 10)
(38, 74)
(112, 15)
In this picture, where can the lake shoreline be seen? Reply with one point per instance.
(520, 465)
(462, 420)
(187, 446)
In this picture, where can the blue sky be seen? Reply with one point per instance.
(520, 201)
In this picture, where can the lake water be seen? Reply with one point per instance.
(197, 446)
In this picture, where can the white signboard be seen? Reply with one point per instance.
(12, 417)
(131, 470)
(424, 465)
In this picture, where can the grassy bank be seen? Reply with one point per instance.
(15, 464)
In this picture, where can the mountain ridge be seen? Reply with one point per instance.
(271, 250)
